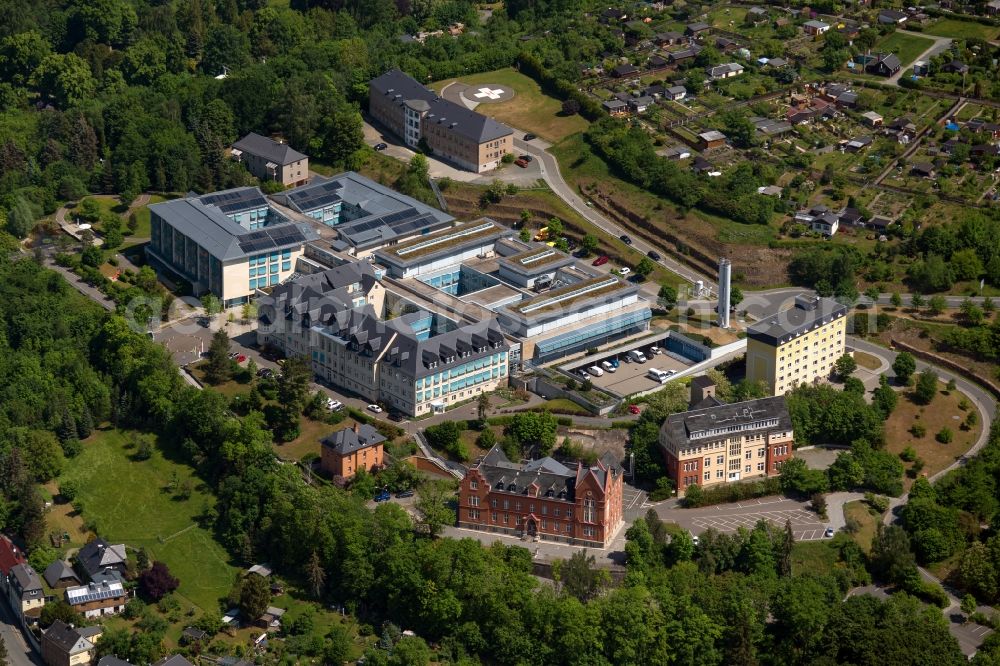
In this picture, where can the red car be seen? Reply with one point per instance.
(633, 409)
(601, 260)
(521, 163)
(241, 358)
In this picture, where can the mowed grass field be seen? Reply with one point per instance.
(131, 503)
(530, 110)
(963, 29)
(907, 47)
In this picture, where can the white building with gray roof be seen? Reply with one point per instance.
(230, 243)
(268, 159)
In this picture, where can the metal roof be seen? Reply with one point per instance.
(807, 314)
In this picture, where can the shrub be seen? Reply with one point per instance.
(944, 436)
(732, 492)
(918, 430)
(909, 454)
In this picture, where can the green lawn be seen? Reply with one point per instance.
(130, 502)
(813, 557)
(963, 29)
(142, 215)
(530, 110)
(907, 47)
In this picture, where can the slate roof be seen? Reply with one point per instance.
(205, 221)
(806, 314)
(269, 149)
(67, 639)
(98, 554)
(702, 381)
(553, 479)
(349, 440)
(109, 660)
(770, 413)
(26, 578)
(418, 357)
(462, 121)
(173, 660)
(57, 572)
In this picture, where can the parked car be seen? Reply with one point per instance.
(637, 356)
(233, 354)
(601, 260)
(374, 409)
(583, 373)
(380, 146)
(530, 137)
(625, 239)
(397, 416)
(241, 359)
(595, 370)
(654, 255)
(405, 493)
(382, 496)
(521, 163)
(828, 534)
(633, 409)
(624, 270)
(655, 350)
(695, 540)
(609, 366)
(526, 158)
(627, 358)
(334, 405)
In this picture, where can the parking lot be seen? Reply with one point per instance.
(728, 518)
(631, 378)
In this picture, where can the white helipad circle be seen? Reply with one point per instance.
(489, 93)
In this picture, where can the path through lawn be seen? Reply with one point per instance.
(131, 502)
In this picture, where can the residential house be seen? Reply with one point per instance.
(10, 556)
(880, 223)
(670, 38)
(60, 574)
(892, 17)
(97, 599)
(983, 150)
(923, 169)
(656, 91)
(711, 139)
(756, 15)
(65, 645)
(268, 159)
(657, 62)
(622, 71)
(815, 28)
(771, 128)
(921, 68)
(697, 29)
(676, 93)
(192, 635)
(993, 7)
(826, 224)
(640, 104)
(776, 63)
(675, 152)
(615, 107)
(725, 44)
(417, 114)
(724, 443)
(348, 450)
(883, 64)
(99, 557)
(871, 119)
(576, 504)
(25, 592)
(725, 71)
(701, 165)
(849, 31)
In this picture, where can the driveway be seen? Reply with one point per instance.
(18, 652)
(728, 518)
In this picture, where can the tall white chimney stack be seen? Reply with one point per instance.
(725, 276)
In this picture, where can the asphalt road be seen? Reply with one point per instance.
(18, 652)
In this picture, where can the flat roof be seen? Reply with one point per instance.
(536, 260)
(442, 242)
(571, 294)
(807, 313)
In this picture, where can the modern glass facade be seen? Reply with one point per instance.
(588, 336)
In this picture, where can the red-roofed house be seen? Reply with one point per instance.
(10, 555)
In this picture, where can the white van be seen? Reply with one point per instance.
(658, 375)
(637, 356)
(608, 366)
(595, 370)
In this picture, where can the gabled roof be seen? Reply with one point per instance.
(58, 571)
(173, 660)
(10, 555)
(26, 577)
(99, 554)
(269, 149)
(109, 660)
(551, 478)
(91, 592)
(67, 639)
(460, 120)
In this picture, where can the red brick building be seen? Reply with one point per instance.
(573, 504)
(346, 451)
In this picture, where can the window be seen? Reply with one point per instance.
(286, 265)
(473, 514)
(493, 503)
(747, 469)
(719, 460)
(272, 281)
(494, 516)
(474, 501)
(749, 455)
(588, 510)
(708, 476)
(719, 473)
(588, 531)
(760, 466)
(274, 268)
(761, 452)
(708, 461)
